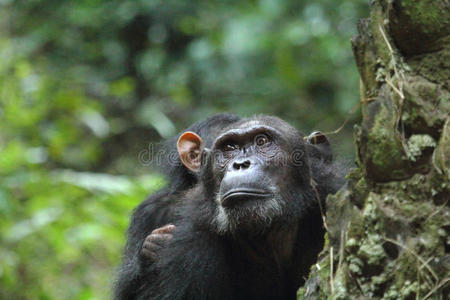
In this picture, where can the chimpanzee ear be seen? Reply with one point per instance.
(190, 147)
(321, 142)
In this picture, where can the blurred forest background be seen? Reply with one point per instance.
(85, 86)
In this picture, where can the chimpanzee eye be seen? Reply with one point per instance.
(261, 139)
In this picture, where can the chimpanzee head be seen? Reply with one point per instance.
(258, 173)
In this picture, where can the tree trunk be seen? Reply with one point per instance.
(388, 229)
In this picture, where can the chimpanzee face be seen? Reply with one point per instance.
(252, 165)
(256, 172)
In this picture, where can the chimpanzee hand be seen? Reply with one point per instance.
(155, 241)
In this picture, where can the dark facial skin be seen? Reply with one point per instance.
(250, 164)
(244, 157)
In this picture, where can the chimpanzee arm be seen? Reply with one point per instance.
(191, 266)
(155, 212)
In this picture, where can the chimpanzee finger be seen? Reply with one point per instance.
(147, 253)
(150, 249)
(165, 229)
(158, 238)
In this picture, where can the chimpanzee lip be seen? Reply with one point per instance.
(236, 195)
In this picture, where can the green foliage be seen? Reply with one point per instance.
(85, 86)
(61, 230)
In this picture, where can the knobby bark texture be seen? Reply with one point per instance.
(388, 229)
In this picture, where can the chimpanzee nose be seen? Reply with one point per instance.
(241, 164)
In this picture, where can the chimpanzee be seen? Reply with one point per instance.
(248, 217)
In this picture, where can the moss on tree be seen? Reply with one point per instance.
(388, 229)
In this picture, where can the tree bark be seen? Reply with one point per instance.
(388, 229)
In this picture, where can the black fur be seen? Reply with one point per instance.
(269, 262)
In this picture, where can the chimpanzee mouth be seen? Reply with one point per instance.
(236, 196)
